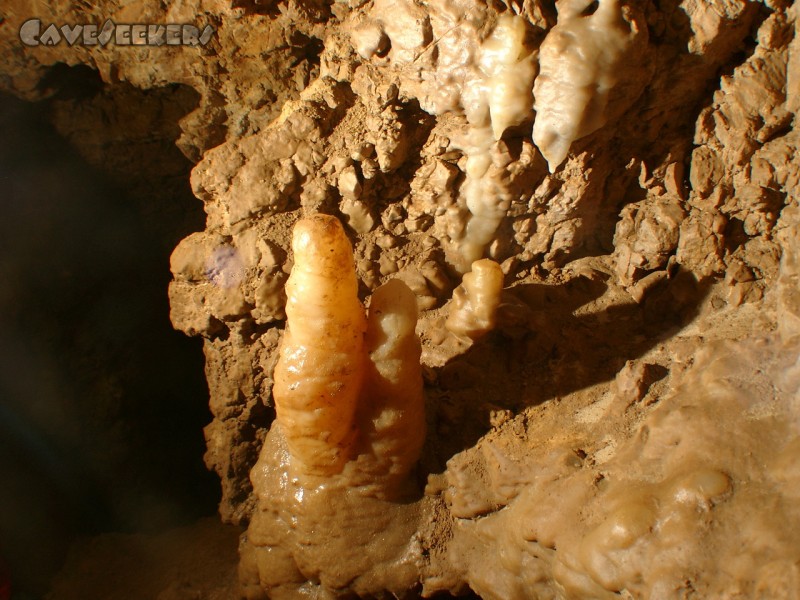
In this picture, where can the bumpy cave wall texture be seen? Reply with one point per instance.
(617, 417)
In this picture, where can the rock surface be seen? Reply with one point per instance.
(632, 420)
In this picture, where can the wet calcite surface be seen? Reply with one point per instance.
(627, 424)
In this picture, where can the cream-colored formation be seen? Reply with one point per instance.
(579, 62)
(489, 78)
(392, 417)
(475, 301)
(499, 98)
(439, 54)
(486, 197)
(350, 426)
(321, 367)
(347, 388)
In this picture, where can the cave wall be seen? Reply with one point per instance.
(661, 233)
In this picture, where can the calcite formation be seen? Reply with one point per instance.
(626, 425)
(659, 515)
(496, 100)
(580, 61)
(475, 302)
(347, 387)
(320, 371)
(349, 428)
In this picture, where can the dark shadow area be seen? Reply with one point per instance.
(102, 403)
(545, 351)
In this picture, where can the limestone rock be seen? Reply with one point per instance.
(589, 435)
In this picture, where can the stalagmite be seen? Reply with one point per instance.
(350, 427)
(476, 300)
(321, 367)
(393, 413)
(346, 388)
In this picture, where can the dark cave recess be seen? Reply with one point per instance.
(102, 402)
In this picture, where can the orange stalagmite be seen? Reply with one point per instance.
(346, 391)
(333, 511)
(322, 359)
